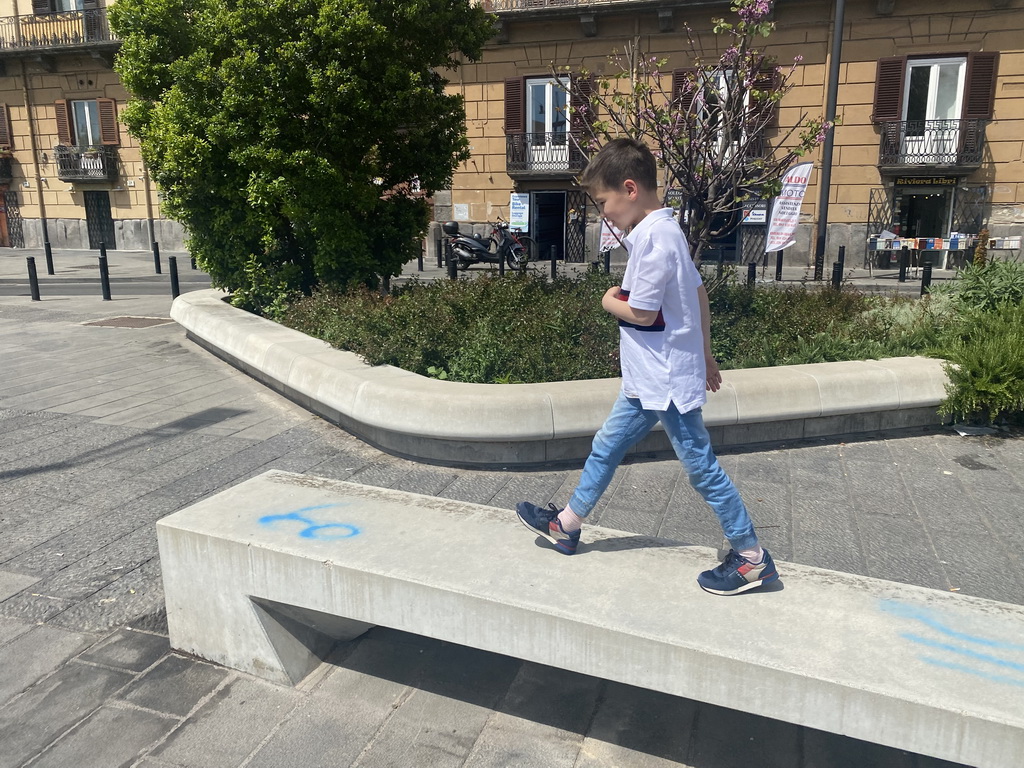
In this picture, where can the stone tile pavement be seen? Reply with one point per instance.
(104, 430)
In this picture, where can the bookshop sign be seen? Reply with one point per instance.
(926, 181)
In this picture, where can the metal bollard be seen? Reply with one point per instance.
(419, 261)
(778, 266)
(33, 278)
(501, 265)
(438, 244)
(104, 273)
(172, 267)
(607, 262)
(926, 278)
(192, 261)
(837, 275)
(156, 256)
(452, 265)
(904, 258)
(842, 257)
(720, 267)
(49, 257)
(751, 273)
(554, 262)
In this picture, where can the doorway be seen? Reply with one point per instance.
(547, 225)
(924, 213)
(98, 219)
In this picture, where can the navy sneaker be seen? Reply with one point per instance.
(544, 520)
(737, 574)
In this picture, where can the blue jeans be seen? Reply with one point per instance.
(626, 425)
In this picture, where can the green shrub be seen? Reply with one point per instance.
(985, 354)
(984, 286)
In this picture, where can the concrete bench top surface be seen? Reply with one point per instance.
(936, 673)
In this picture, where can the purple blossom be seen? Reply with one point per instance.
(754, 10)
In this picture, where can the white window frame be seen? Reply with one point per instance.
(91, 113)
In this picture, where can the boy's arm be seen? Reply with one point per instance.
(714, 376)
(616, 307)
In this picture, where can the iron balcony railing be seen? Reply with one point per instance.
(499, 6)
(86, 163)
(55, 30)
(550, 154)
(932, 142)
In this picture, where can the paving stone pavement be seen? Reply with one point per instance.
(105, 430)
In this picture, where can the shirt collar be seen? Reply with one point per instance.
(646, 223)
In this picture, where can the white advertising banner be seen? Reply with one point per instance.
(519, 211)
(786, 208)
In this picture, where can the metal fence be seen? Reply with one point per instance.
(932, 142)
(86, 163)
(544, 153)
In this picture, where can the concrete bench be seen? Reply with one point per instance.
(266, 576)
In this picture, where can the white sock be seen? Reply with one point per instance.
(753, 555)
(570, 520)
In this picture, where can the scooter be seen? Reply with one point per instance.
(502, 245)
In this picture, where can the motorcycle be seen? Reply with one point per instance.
(502, 245)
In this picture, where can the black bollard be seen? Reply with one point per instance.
(192, 261)
(452, 265)
(439, 246)
(904, 257)
(172, 267)
(778, 266)
(156, 256)
(419, 261)
(49, 257)
(720, 267)
(607, 262)
(842, 257)
(33, 278)
(104, 273)
(554, 262)
(751, 273)
(501, 264)
(926, 278)
(837, 275)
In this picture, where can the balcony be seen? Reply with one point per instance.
(543, 155)
(923, 147)
(50, 32)
(86, 163)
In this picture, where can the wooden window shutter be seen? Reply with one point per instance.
(62, 111)
(889, 89)
(90, 4)
(980, 90)
(583, 88)
(764, 109)
(515, 118)
(6, 135)
(684, 87)
(42, 7)
(109, 133)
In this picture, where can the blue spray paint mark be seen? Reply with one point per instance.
(948, 635)
(976, 672)
(315, 529)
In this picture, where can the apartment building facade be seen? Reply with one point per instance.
(69, 171)
(930, 103)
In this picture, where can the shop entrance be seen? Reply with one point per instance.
(547, 225)
(924, 212)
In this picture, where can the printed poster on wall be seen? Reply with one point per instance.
(610, 236)
(519, 211)
(786, 208)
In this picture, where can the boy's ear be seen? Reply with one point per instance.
(631, 188)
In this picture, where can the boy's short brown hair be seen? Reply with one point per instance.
(618, 160)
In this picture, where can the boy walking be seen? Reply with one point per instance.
(665, 351)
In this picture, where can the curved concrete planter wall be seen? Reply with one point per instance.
(512, 424)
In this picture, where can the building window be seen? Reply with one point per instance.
(546, 109)
(85, 122)
(44, 7)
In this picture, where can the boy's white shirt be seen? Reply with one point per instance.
(659, 367)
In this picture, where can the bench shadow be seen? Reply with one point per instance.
(553, 716)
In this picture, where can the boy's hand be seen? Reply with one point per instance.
(714, 376)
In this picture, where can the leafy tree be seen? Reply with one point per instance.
(706, 122)
(288, 136)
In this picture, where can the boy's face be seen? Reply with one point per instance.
(621, 205)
